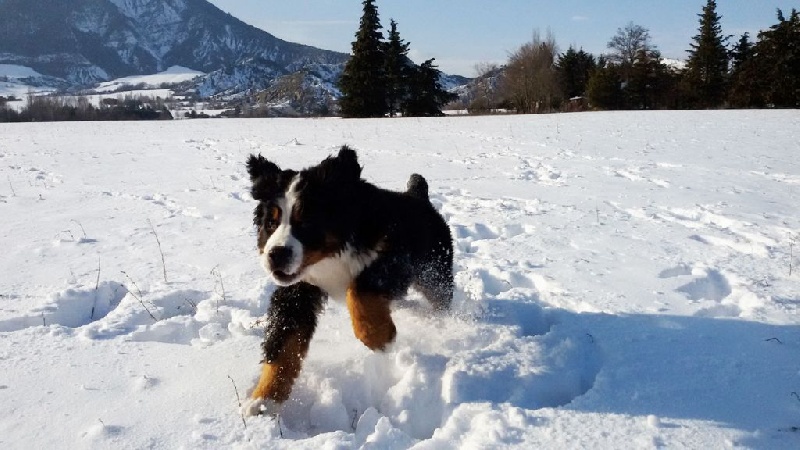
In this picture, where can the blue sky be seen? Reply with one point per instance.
(461, 33)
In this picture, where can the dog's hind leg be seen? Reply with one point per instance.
(435, 277)
(439, 295)
(292, 319)
(437, 287)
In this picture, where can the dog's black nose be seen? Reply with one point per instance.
(279, 257)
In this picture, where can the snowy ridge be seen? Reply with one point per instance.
(83, 42)
(623, 281)
(167, 12)
(20, 81)
(16, 72)
(172, 75)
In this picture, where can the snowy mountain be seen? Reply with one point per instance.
(674, 64)
(87, 41)
(308, 92)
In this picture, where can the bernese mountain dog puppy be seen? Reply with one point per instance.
(324, 232)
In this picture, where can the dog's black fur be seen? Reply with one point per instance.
(342, 237)
(293, 310)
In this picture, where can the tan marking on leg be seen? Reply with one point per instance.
(277, 377)
(372, 319)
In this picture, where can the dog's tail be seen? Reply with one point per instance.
(417, 187)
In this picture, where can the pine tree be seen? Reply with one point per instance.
(574, 69)
(398, 68)
(648, 80)
(744, 90)
(742, 51)
(426, 95)
(777, 54)
(604, 89)
(363, 81)
(707, 68)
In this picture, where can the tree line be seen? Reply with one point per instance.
(380, 79)
(59, 108)
(633, 75)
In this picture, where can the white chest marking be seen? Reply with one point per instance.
(335, 274)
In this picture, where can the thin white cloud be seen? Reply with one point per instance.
(579, 18)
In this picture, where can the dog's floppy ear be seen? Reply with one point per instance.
(264, 175)
(341, 171)
(258, 166)
(417, 187)
(346, 163)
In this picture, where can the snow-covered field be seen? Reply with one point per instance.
(623, 281)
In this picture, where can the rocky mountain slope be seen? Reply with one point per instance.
(85, 41)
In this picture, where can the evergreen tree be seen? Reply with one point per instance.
(398, 68)
(426, 95)
(777, 54)
(742, 51)
(745, 90)
(604, 89)
(574, 69)
(363, 81)
(707, 68)
(648, 81)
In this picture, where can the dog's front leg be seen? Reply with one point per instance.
(369, 298)
(371, 317)
(292, 319)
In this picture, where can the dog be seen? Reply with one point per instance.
(325, 232)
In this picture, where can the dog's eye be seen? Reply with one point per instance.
(272, 214)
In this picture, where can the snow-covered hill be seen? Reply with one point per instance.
(87, 41)
(18, 81)
(624, 280)
(171, 76)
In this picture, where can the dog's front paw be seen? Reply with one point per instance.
(379, 338)
(258, 406)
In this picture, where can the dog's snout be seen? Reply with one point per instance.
(279, 257)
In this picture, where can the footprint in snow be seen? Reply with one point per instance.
(72, 308)
(717, 294)
(712, 285)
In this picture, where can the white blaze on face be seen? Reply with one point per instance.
(282, 237)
